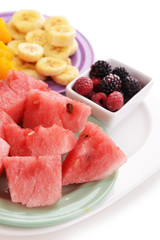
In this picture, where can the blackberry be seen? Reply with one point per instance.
(121, 72)
(110, 83)
(100, 69)
(131, 86)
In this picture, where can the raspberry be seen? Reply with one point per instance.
(96, 83)
(110, 83)
(121, 72)
(115, 101)
(131, 86)
(99, 98)
(83, 85)
(100, 69)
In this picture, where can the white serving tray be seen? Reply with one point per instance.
(138, 136)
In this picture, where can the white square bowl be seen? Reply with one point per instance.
(108, 118)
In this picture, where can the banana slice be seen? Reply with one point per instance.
(57, 52)
(37, 36)
(13, 45)
(67, 76)
(15, 34)
(31, 70)
(49, 66)
(54, 21)
(61, 35)
(73, 47)
(18, 62)
(27, 20)
(30, 52)
(68, 61)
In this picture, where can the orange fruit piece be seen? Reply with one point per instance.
(5, 66)
(4, 33)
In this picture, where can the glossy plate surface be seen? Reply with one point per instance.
(77, 199)
(82, 59)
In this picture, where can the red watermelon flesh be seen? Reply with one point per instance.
(4, 119)
(4, 151)
(38, 111)
(48, 108)
(34, 181)
(10, 102)
(94, 157)
(21, 82)
(50, 141)
(16, 137)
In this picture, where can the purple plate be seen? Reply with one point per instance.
(82, 59)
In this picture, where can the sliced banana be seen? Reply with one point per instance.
(67, 76)
(61, 35)
(27, 20)
(57, 52)
(37, 36)
(18, 62)
(68, 61)
(15, 34)
(73, 47)
(13, 45)
(49, 66)
(31, 70)
(30, 52)
(54, 21)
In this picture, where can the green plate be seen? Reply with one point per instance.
(77, 199)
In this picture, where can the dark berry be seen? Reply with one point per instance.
(110, 83)
(121, 72)
(131, 86)
(100, 98)
(83, 85)
(115, 101)
(96, 83)
(100, 69)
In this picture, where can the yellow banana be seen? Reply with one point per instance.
(38, 36)
(15, 34)
(49, 66)
(57, 52)
(30, 52)
(27, 20)
(61, 35)
(54, 21)
(67, 76)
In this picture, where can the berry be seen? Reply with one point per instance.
(115, 101)
(121, 72)
(99, 98)
(110, 83)
(96, 82)
(83, 85)
(131, 86)
(100, 69)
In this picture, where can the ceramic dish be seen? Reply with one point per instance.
(108, 118)
(82, 59)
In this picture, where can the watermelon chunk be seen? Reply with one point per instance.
(16, 137)
(48, 108)
(21, 82)
(42, 141)
(50, 141)
(4, 151)
(94, 157)
(10, 102)
(14, 90)
(4, 119)
(34, 181)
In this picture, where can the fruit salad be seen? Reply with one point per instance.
(43, 47)
(109, 87)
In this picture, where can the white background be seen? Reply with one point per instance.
(127, 31)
